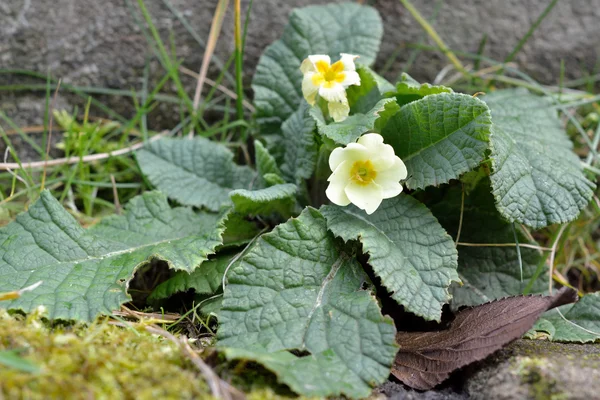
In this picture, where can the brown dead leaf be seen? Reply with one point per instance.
(426, 359)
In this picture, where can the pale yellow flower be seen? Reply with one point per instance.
(365, 173)
(329, 81)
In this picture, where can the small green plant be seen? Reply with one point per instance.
(433, 193)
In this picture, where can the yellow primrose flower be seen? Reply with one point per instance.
(365, 173)
(330, 82)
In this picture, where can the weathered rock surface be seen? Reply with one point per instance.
(526, 369)
(101, 44)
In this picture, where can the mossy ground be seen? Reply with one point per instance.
(101, 361)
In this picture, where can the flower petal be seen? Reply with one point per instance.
(338, 110)
(348, 61)
(366, 197)
(333, 91)
(309, 89)
(351, 153)
(320, 59)
(307, 66)
(338, 181)
(351, 78)
(389, 179)
(381, 155)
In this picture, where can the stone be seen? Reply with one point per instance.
(102, 44)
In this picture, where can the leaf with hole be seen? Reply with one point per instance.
(408, 249)
(296, 288)
(328, 29)
(537, 179)
(195, 172)
(426, 359)
(86, 272)
(439, 137)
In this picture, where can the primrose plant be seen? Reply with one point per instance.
(295, 254)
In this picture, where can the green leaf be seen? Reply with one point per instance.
(439, 137)
(582, 324)
(408, 249)
(297, 289)
(204, 280)
(266, 166)
(86, 272)
(238, 231)
(350, 129)
(300, 154)
(329, 29)
(273, 179)
(195, 172)
(409, 90)
(537, 179)
(363, 97)
(487, 272)
(278, 198)
(11, 359)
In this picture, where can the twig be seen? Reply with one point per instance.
(75, 160)
(462, 210)
(553, 254)
(529, 246)
(49, 139)
(215, 29)
(434, 36)
(241, 253)
(115, 195)
(213, 380)
(220, 88)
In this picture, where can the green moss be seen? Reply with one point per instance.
(99, 361)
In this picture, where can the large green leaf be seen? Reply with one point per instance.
(408, 249)
(206, 279)
(329, 29)
(297, 289)
(372, 87)
(278, 198)
(487, 272)
(86, 272)
(581, 322)
(300, 153)
(266, 166)
(408, 90)
(195, 172)
(439, 137)
(350, 129)
(537, 179)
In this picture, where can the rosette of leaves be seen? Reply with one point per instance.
(304, 280)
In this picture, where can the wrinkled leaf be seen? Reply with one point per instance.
(297, 289)
(238, 231)
(266, 166)
(363, 97)
(86, 272)
(408, 249)
(350, 129)
(426, 359)
(537, 179)
(330, 29)
(439, 137)
(408, 90)
(487, 272)
(278, 198)
(582, 324)
(300, 154)
(204, 280)
(195, 172)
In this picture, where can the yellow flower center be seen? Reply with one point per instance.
(363, 172)
(328, 75)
